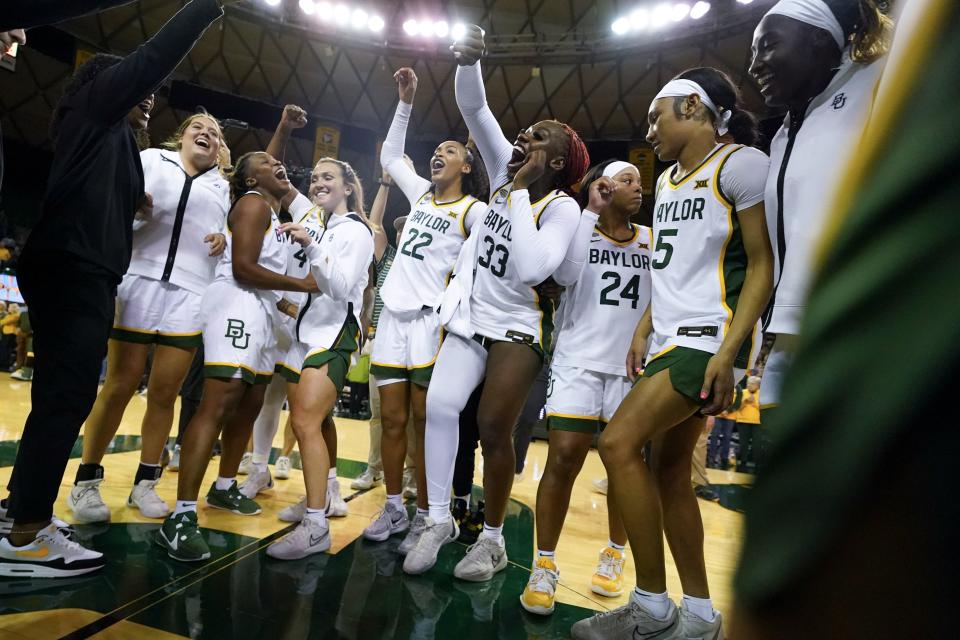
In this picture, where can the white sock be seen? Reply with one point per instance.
(261, 467)
(440, 514)
(261, 459)
(547, 554)
(423, 512)
(317, 515)
(224, 483)
(657, 604)
(614, 545)
(332, 474)
(700, 607)
(185, 505)
(465, 498)
(494, 533)
(396, 500)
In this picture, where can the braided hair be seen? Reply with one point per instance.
(238, 174)
(578, 161)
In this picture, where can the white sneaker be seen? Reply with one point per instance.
(388, 522)
(174, 464)
(51, 555)
(422, 557)
(308, 538)
(6, 522)
(246, 465)
(336, 506)
(85, 502)
(693, 627)
(256, 482)
(417, 527)
(295, 512)
(367, 480)
(629, 621)
(144, 497)
(600, 485)
(281, 470)
(484, 558)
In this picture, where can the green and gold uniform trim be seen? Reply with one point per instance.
(619, 243)
(388, 371)
(676, 185)
(337, 357)
(419, 375)
(228, 370)
(290, 375)
(686, 368)
(578, 424)
(139, 336)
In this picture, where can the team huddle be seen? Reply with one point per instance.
(514, 255)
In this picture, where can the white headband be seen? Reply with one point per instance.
(616, 167)
(684, 88)
(816, 13)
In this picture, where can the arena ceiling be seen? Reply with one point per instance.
(546, 58)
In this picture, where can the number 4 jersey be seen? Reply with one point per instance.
(599, 313)
(699, 262)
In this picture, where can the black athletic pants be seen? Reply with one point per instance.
(71, 310)
(190, 394)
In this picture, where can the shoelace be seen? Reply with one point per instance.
(608, 566)
(626, 611)
(86, 491)
(59, 539)
(540, 581)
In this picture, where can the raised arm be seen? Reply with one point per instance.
(377, 211)
(23, 14)
(293, 118)
(391, 154)
(601, 193)
(336, 275)
(118, 89)
(472, 102)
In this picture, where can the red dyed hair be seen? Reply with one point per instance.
(578, 161)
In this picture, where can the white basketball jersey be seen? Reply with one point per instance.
(426, 252)
(599, 313)
(699, 262)
(273, 252)
(502, 307)
(298, 264)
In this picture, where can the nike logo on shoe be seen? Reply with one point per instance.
(315, 540)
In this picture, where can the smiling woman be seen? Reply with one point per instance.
(177, 238)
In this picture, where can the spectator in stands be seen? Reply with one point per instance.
(9, 323)
(748, 423)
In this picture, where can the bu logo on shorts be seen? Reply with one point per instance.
(235, 332)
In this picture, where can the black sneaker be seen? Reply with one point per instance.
(459, 511)
(706, 492)
(473, 525)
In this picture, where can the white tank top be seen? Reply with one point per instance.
(599, 313)
(699, 262)
(426, 252)
(273, 254)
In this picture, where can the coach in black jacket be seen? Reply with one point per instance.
(74, 260)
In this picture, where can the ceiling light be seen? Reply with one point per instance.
(620, 26)
(441, 28)
(640, 19)
(699, 10)
(375, 24)
(458, 31)
(308, 7)
(662, 14)
(680, 11)
(359, 19)
(426, 28)
(412, 27)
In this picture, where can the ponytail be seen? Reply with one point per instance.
(866, 26)
(743, 126)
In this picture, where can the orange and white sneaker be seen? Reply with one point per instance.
(51, 555)
(608, 580)
(540, 593)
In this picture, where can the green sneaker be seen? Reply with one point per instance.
(181, 537)
(232, 500)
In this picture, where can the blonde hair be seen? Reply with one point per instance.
(350, 178)
(174, 142)
(873, 35)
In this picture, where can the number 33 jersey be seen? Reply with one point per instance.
(426, 252)
(599, 313)
(699, 262)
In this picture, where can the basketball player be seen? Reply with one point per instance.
(176, 241)
(237, 340)
(442, 210)
(711, 279)
(328, 325)
(598, 314)
(500, 327)
(828, 95)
